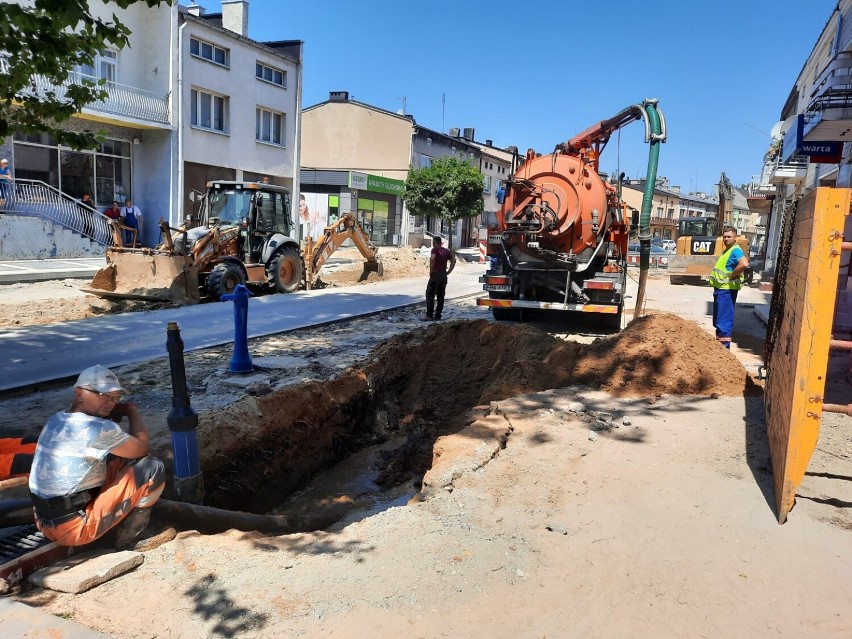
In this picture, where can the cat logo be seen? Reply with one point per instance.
(701, 246)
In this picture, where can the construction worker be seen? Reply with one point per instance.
(88, 475)
(726, 280)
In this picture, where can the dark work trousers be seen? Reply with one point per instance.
(436, 287)
(723, 315)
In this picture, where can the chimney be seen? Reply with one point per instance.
(489, 142)
(195, 10)
(454, 132)
(338, 96)
(235, 16)
(468, 134)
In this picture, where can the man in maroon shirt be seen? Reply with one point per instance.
(438, 272)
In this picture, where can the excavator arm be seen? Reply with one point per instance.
(346, 228)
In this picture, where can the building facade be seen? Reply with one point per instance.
(668, 206)
(189, 87)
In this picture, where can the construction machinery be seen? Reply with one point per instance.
(246, 236)
(560, 239)
(699, 241)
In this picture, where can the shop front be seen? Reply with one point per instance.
(376, 201)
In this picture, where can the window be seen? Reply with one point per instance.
(486, 183)
(425, 161)
(268, 126)
(208, 111)
(270, 74)
(105, 67)
(210, 52)
(671, 213)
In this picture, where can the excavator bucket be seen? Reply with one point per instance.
(371, 266)
(146, 275)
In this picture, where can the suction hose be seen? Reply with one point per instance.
(655, 138)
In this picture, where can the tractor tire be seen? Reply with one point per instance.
(223, 279)
(286, 271)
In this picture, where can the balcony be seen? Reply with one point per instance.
(829, 112)
(663, 221)
(124, 102)
(793, 171)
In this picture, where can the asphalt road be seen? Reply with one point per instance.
(34, 355)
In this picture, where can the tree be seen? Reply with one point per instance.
(48, 39)
(450, 188)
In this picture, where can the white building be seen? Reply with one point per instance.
(192, 98)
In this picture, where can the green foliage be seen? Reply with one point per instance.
(49, 38)
(450, 188)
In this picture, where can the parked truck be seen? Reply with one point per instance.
(561, 235)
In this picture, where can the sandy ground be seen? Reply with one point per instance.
(532, 520)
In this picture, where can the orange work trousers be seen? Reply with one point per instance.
(16, 456)
(130, 483)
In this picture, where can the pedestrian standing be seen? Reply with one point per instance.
(7, 183)
(132, 217)
(437, 286)
(727, 280)
(89, 475)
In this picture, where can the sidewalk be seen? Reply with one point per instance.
(18, 271)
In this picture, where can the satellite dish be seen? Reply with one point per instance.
(775, 133)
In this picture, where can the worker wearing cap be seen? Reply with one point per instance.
(89, 475)
(6, 182)
(726, 278)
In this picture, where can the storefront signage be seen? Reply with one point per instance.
(375, 183)
(817, 152)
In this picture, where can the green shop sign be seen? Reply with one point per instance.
(375, 183)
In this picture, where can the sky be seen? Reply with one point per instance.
(532, 74)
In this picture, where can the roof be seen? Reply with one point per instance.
(363, 105)
(214, 21)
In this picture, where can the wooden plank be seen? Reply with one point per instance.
(794, 390)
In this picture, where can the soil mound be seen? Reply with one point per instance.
(421, 384)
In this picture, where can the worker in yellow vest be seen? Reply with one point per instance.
(727, 280)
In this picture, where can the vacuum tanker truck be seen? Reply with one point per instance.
(560, 238)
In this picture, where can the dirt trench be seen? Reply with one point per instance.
(422, 385)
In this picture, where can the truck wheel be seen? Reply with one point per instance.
(286, 271)
(506, 314)
(223, 279)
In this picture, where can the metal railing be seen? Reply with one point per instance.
(35, 198)
(833, 87)
(121, 99)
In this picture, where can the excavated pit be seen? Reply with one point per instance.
(421, 385)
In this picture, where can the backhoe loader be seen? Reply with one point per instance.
(246, 236)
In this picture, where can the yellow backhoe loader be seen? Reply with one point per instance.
(246, 236)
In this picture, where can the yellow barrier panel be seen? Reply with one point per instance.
(797, 357)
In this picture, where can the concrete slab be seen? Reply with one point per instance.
(83, 572)
(18, 621)
(762, 312)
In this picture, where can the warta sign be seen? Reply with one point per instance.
(817, 152)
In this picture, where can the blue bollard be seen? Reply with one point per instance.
(240, 360)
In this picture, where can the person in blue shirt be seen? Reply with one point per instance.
(6, 182)
(727, 280)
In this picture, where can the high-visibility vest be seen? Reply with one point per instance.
(720, 277)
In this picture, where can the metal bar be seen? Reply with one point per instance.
(843, 409)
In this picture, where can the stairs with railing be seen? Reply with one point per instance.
(38, 221)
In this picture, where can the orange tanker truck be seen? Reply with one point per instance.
(560, 239)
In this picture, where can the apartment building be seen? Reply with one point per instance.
(192, 98)
(668, 205)
(356, 157)
(240, 102)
